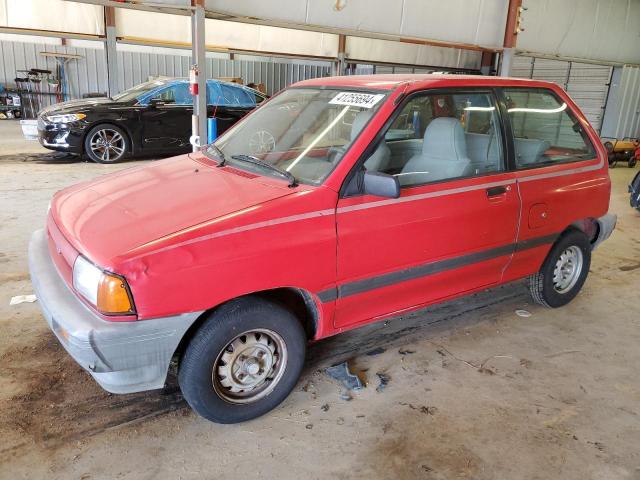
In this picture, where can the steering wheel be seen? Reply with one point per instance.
(261, 141)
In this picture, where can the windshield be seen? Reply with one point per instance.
(134, 92)
(302, 131)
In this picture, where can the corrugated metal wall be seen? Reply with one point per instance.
(89, 73)
(586, 83)
(85, 75)
(622, 116)
(137, 67)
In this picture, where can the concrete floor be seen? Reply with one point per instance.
(475, 391)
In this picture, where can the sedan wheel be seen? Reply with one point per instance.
(106, 144)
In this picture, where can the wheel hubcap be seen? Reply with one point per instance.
(108, 145)
(250, 366)
(567, 269)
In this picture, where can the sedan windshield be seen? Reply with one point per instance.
(304, 132)
(134, 92)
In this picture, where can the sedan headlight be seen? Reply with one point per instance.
(67, 118)
(108, 292)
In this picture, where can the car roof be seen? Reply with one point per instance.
(393, 81)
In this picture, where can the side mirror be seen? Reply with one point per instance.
(158, 102)
(374, 183)
(381, 185)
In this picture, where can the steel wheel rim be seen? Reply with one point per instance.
(250, 366)
(107, 145)
(568, 269)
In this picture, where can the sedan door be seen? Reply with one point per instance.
(166, 119)
(454, 226)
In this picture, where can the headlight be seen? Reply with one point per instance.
(68, 118)
(108, 292)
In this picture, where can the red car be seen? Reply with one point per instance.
(338, 202)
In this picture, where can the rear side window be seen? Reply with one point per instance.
(227, 95)
(544, 129)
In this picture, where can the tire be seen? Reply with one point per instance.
(106, 143)
(550, 287)
(632, 162)
(205, 372)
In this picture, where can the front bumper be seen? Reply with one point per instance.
(123, 357)
(606, 225)
(60, 137)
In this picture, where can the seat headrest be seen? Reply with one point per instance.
(444, 138)
(359, 122)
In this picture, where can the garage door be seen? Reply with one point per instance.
(588, 84)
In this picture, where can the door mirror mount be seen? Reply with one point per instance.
(156, 102)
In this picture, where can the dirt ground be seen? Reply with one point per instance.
(475, 391)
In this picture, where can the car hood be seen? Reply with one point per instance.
(107, 218)
(73, 106)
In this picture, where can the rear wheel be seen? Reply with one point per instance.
(243, 361)
(563, 272)
(106, 144)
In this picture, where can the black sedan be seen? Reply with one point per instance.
(151, 118)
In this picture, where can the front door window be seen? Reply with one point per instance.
(438, 137)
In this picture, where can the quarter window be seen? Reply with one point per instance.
(228, 95)
(438, 137)
(544, 129)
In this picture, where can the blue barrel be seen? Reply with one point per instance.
(212, 133)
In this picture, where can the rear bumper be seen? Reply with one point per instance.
(606, 225)
(123, 357)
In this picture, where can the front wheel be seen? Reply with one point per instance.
(243, 361)
(106, 144)
(563, 272)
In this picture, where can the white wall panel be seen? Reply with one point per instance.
(3, 13)
(384, 51)
(231, 35)
(605, 30)
(477, 22)
(461, 21)
(55, 15)
(155, 26)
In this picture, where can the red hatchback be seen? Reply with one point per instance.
(338, 202)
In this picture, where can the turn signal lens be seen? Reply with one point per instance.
(113, 295)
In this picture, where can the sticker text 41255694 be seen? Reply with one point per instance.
(356, 99)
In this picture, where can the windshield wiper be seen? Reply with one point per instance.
(220, 155)
(256, 161)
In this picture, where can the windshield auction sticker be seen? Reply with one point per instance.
(355, 99)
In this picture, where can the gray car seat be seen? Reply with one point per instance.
(529, 151)
(444, 153)
(380, 159)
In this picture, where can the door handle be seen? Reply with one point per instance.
(495, 191)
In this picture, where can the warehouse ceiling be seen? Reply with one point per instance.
(596, 30)
(387, 20)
